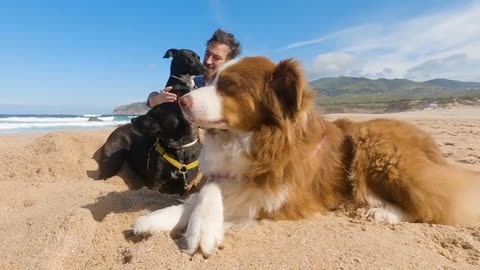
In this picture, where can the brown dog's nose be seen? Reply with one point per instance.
(185, 102)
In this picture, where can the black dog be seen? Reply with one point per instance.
(161, 146)
(184, 67)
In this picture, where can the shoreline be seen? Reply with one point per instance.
(459, 112)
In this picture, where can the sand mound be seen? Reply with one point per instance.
(63, 154)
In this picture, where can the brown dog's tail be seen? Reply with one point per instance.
(447, 195)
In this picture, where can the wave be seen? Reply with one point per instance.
(17, 119)
(4, 126)
(12, 123)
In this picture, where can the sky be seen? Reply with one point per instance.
(90, 56)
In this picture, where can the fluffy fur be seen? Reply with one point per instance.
(268, 154)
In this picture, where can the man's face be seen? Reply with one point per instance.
(215, 56)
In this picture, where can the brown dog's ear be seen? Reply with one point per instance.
(170, 53)
(288, 83)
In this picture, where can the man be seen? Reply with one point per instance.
(221, 47)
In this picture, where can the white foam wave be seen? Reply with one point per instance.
(16, 119)
(42, 119)
(106, 118)
(7, 126)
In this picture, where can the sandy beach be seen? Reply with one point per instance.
(56, 216)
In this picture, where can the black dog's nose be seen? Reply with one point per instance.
(186, 102)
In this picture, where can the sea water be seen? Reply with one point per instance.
(39, 123)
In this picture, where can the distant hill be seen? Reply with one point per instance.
(352, 94)
(137, 108)
(352, 85)
(452, 85)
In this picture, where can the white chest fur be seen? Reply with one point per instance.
(223, 154)
(223, 158)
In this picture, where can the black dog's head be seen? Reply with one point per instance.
(166, 122)
(185, 62)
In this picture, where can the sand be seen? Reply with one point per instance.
(54, 215)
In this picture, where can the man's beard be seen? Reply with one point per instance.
(208, 77)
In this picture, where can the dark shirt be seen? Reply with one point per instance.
(199, 82)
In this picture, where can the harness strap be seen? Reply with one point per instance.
(319, 145)
(180, 166)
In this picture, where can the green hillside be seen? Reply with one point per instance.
(351, 94)
(351, 90)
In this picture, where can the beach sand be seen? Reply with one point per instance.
(55, 216)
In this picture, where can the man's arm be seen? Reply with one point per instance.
(152, 94)
(156, 97)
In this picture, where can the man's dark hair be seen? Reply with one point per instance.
(222, 37)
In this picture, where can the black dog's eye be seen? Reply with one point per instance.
(147, 122)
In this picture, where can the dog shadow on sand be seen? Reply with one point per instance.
(137, 198)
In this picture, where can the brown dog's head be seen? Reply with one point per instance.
(248, 94)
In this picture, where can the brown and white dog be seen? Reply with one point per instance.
(268, 154)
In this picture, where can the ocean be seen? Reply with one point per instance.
(41, 123)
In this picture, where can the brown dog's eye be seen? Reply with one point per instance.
(224, 85)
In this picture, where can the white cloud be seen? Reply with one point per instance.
(330, 36)
(444, 44)
(334, 64)
(459, 66)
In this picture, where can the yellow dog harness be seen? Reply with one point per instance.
(182, 168)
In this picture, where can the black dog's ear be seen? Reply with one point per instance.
(170, 53)
(145, 124)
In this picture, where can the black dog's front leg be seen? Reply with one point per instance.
(114, 152)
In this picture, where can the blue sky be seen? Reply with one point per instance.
(90, 56)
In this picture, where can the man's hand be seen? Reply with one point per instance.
(162, 97)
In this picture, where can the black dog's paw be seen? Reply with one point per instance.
(95, 175)
(110, 167)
